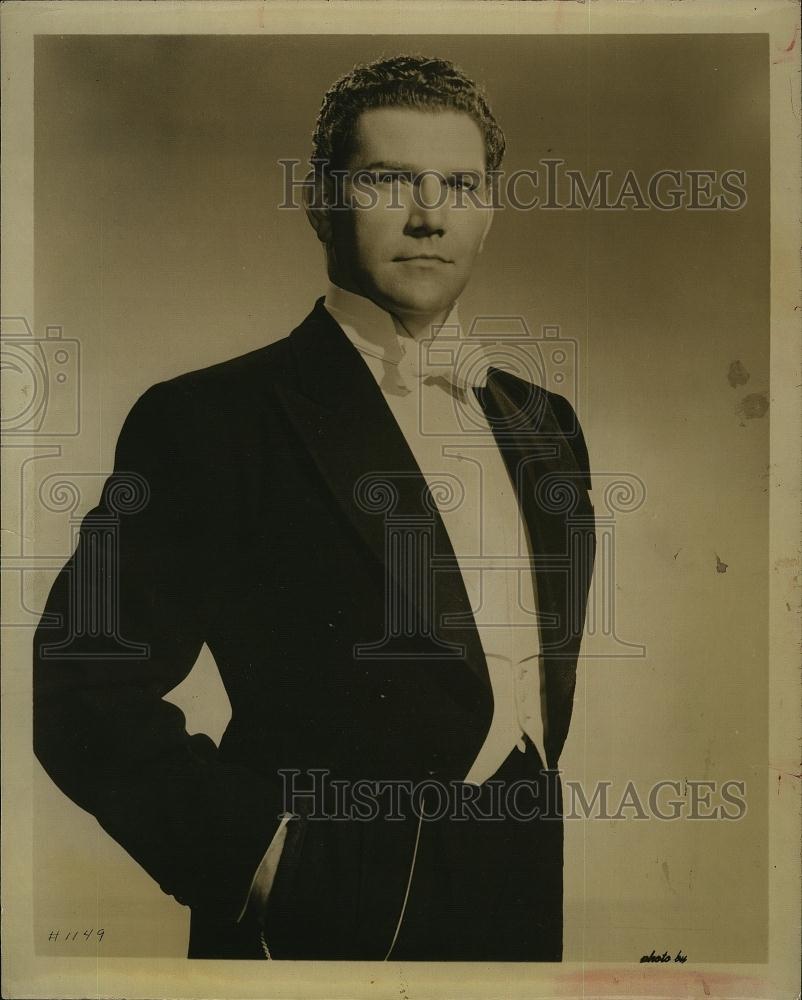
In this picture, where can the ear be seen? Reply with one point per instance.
(488, 224)
(315, 202)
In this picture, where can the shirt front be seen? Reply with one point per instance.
(431, 400)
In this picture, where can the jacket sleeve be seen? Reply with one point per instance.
(123, 625)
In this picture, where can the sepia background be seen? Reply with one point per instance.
(159, 248)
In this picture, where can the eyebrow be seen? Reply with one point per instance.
(389, 165)
(408, 168)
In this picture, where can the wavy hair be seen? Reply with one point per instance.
(401, 81)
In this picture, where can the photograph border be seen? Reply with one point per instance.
(26, 974)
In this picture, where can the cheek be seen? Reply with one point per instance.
(470, 230)
(372, 238)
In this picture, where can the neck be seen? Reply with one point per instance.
(419, 327)
(415, 325)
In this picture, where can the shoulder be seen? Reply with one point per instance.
(566, 417)
(210, 415)
(226, 391)
(234, 376)
(564, 414)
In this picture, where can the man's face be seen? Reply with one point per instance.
(413, 250)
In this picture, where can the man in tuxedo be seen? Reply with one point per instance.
(372, 525)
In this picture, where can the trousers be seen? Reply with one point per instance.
(484, 882)
(489, 886)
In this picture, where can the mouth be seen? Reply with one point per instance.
(423, 257)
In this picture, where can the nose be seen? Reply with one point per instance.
(428, 209)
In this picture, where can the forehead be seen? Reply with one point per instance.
(440, 139)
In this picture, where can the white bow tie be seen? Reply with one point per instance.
(428, 363)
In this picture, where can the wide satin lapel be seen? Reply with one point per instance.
(340, 414)
(554, 503)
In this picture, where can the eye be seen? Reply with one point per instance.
(388, 177)
(464, 182)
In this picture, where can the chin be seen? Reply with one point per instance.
(420, 301)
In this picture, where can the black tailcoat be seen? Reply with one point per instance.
(244, 513)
